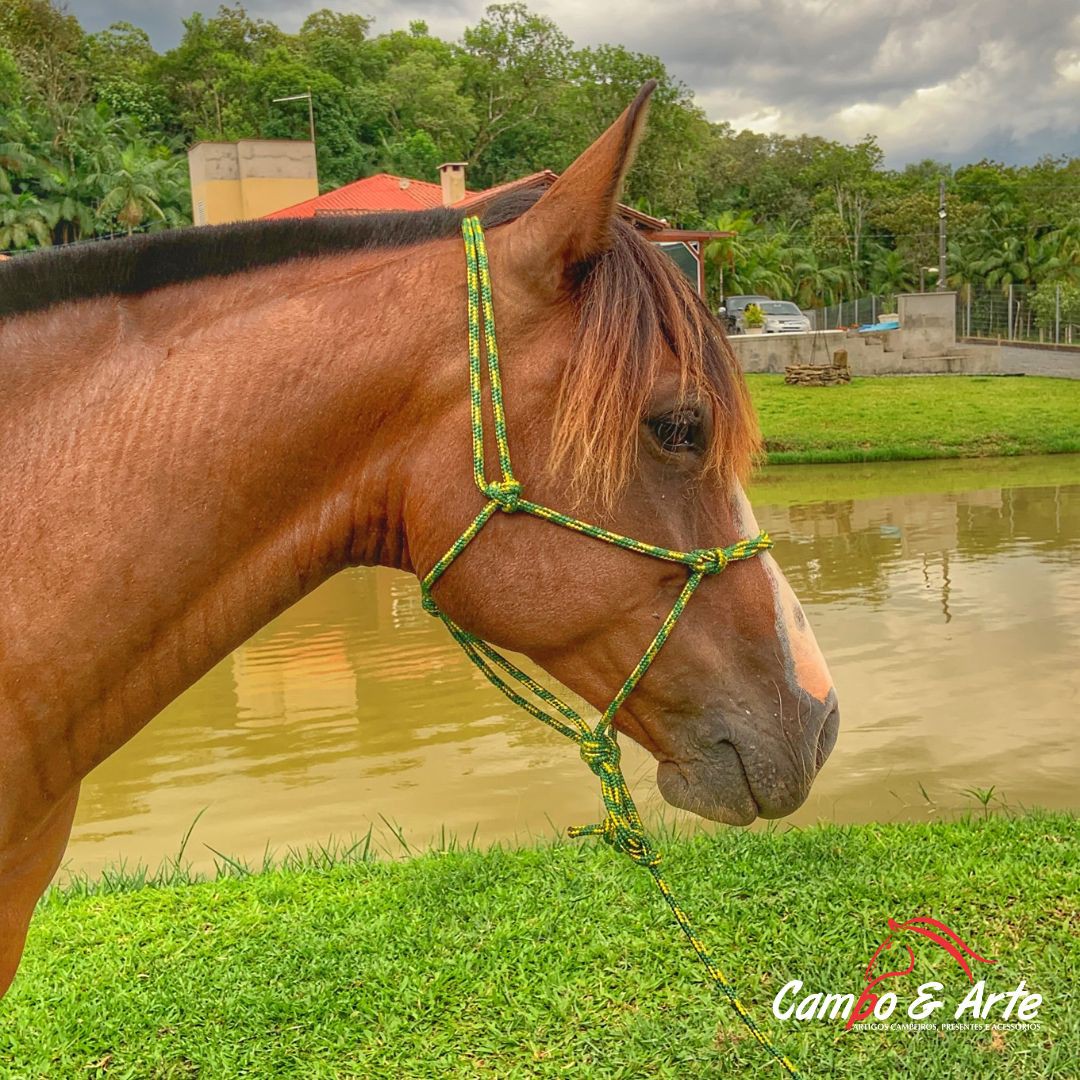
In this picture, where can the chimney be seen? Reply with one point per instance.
(452, 179)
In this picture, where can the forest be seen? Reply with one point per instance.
(94, 129)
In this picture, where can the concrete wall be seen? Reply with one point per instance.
(773, 352)
(928, 322)
(250, 178)
(864, 359)
(925, 344)
(868, 354)
(1025, 360)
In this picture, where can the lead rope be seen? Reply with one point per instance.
(621, 827)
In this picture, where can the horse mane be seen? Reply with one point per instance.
(637, 316)
(138, 264)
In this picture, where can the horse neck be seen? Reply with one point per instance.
(223, 448)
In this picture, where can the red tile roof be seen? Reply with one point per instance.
(544, 179)
(385, 192)
(371, 195)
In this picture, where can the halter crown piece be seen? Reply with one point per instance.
(621, 827)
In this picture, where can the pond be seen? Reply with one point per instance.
(945, 595)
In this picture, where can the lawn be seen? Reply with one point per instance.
(904, 417)
(552, 961)
(784, 485)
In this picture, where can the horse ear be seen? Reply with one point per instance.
(572, 221)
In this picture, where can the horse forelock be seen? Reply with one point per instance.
(639, 320)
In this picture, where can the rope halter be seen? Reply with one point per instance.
(599, 748)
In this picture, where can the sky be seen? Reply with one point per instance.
(954, 80)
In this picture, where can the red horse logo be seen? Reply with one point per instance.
(935, 931)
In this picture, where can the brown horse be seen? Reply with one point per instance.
(199, 427)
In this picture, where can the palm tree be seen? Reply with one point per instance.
(22, 219)
(1012, 262)
(722, 255)
(69, 198)
(817, 285)
(890, 273)
(132, 179)
(767, 267)
(962, 265)
(1061, 261)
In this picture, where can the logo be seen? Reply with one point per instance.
(882, 989)
(935, 931)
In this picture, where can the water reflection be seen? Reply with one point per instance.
(948, 604)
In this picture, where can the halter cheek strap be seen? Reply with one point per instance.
(621, 827)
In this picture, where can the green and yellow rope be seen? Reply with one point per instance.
(621, 827)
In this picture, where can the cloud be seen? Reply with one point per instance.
(948, 79)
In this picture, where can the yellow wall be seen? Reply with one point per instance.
(217, 201)
(250, 178)
(263, 196)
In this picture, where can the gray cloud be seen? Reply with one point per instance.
(949, 79)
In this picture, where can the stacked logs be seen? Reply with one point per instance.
(816, 375)
(820, 374)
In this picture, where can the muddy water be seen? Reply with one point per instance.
(946, 597)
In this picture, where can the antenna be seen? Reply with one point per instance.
(310, 105)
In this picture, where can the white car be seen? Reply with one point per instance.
(783, 317)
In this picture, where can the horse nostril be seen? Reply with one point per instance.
(829, 730)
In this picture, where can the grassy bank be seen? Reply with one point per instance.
(901, 418)
(554, 961)
(782, 485)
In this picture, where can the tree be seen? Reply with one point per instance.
(337, 43)
(515, 64)
(86, 119)
(671, 158)
(1056, 306)
(423, 94)
(22, 219)
(11, 82)
(137, 182)
(817, 284)
(46, 43)
(891, 273)
(119, 61)
(850, 179)
(210, 75)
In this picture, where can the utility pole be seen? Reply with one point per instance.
(310, 108)
(942, 215)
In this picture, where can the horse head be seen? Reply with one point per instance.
(626, 406)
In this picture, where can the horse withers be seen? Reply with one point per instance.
(201, 426)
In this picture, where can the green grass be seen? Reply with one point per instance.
(553, 961)
(903, 418)
(784, 485)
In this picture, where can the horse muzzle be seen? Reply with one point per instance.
(744, 774)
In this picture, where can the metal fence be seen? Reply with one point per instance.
(1048, 314)
(857, 312)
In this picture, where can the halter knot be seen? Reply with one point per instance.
(709, 560)
(618, 833)
(601, 753)
(427, 602)
(507, 493)
(637, 847)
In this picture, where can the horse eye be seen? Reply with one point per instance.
(677, 434)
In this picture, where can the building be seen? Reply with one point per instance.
(238, 181)
(384, 192)
(372, 195)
